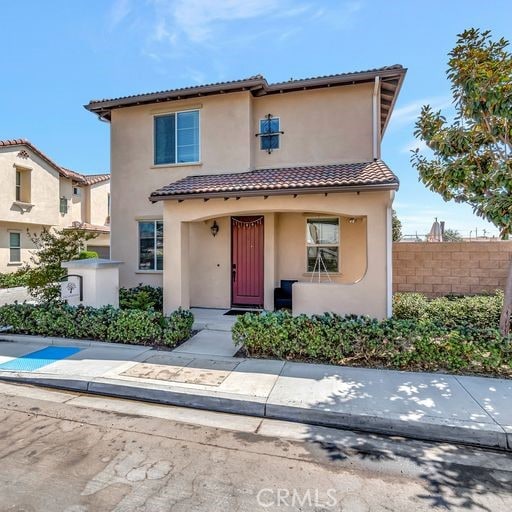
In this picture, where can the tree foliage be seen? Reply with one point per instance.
(52, 248)
(471, 160)
(452, 235)
(396, 228)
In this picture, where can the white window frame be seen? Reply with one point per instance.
(153, 270)
(18, 190)
(14, 247)
(175, 113)
(77, 191)
(278, 133)
(308, 245)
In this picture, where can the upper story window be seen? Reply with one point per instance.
(176, 138)
(22, 185)
(270, 132)
(322, 241)
(77, 191)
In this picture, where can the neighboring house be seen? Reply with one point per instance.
(36, 192)
(221, 191)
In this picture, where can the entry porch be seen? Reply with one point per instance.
(233, 252)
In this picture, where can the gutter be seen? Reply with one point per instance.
(279, 192)
(376, 118)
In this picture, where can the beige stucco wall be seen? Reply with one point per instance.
(196, 265)
(44, 189)
(321, 126)
(26, 245)
(97, 205)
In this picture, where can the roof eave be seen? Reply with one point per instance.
(276, 192)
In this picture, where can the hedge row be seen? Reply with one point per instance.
(105, 324)
(143, 297)
(459, 336)
(478, 311)
(13, 279)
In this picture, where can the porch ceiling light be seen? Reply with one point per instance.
(214, 228)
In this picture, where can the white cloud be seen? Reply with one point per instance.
(410, 112)
(119, 11)
(412, 145)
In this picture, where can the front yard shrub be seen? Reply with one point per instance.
(477, 311)
(13, 279)
(105, 324)
(404, 344)
(141, 297)
(87, 255)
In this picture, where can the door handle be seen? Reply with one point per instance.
(233, 272)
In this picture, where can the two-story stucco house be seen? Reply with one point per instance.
(221, 191)
(36, 192)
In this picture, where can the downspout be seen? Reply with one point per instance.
(389, 255)
(375, 114)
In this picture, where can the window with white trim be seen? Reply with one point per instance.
(14, 247)
(63, 205)
(322, 244)
(151, 245)
(176, 138)
(18, 185)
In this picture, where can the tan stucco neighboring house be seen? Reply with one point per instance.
(221, 191)
(36, 192)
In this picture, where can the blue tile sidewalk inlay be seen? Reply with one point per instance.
(38, 359)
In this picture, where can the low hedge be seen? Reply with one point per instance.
(143, 297)
(13, 279)
(105, 324)
(478, 311)
(404, 344)
(87, 255)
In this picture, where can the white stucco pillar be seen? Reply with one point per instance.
(269, 269)
(176, 265)
(99, 281)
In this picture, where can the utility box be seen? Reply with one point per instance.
(92, 282)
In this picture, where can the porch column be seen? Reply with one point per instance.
(176, 279)
(270, 249)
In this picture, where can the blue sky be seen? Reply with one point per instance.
(58, 55)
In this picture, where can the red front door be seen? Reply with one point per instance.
(247, 260)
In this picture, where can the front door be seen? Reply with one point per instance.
(247, 260)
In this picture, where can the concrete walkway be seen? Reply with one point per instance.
(437, 407)
(17, 294)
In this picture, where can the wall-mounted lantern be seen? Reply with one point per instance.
(214, 228)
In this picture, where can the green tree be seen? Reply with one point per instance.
(471, 160)
(397, 228)
(52, 248)
(451, 235)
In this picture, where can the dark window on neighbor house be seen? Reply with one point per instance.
(77, 191)
(269, 133)
(322, 244)
(151, 245)
(18, 185)
(14, 247)
(176, 138)
(63, 205)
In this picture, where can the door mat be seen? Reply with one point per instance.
(35, 360)
(236, 312)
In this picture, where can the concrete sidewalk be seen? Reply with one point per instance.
(436, 407)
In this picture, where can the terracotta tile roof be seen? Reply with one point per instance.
(83, 179)
(258, 86)
(289, 180)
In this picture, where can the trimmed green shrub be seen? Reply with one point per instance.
(404, 344)
(143, 297)
(478, 311)
(13, 279)
(105, 324)
(87, 255)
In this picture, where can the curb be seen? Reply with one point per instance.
(486, 436)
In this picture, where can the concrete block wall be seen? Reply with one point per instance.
(437, 269)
